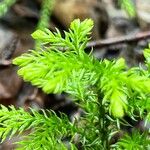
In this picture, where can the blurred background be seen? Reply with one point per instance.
(121, 29)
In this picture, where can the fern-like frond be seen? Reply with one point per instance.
(46, 10)
(45, 13)
(106, 90)
(135, 141)
(119, 84)
(76, 39)
(47, 130)
(52, 70)
(79, 74)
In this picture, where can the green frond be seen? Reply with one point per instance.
(106, 91)
(119, 85)
(79, 74)
(76, 39)
(147, 119)
(52, 70)
(47, 130)
(139, 105)
(45, 13)
(135, 141)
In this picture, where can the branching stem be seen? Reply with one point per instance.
(103, 124)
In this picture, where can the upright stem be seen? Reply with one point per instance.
(103, 125)
(45, 13)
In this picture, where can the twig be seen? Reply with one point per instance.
(119, 40)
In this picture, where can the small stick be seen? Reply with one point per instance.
(119, 40)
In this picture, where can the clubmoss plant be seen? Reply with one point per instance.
(107, 91)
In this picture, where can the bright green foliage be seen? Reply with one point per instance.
(105, 90)
(5, 5)
(49, 130)
(54, 68)
(146, 105)
(129, 7)
(135, 141)
(46, 10)
(45, 13)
